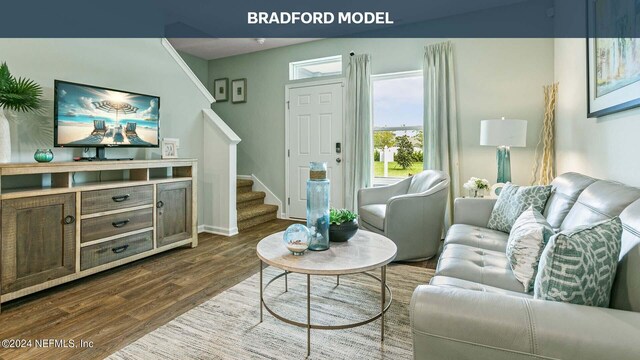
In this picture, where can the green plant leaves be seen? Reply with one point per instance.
(339, 216)
(18, 94)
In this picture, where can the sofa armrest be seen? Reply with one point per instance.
(458, 323)
(472, 211)
(381, 194)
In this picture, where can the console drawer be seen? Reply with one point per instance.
(106, 252)
(113, 199)
(114, 224)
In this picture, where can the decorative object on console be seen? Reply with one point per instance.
(239, 91)
(504, 134)
(579, 265)
(613, 76)
(344, 225)
(170, 148)
(318, 190)
(495, 190)
(16, 94)
(296, 239)
(544, 168)
(476, 187)
(43, 155)
(529, 235)
(221, 89)
(513, 201)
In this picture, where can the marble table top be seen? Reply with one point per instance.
(363, 252)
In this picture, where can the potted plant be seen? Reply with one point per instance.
(343, 224)
(476, 187)
(16, 94)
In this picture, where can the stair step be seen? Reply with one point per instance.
(258, 220)
(247, 199)
(243, 186)
(255, 211)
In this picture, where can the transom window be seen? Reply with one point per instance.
(326, 66)
(397, 126)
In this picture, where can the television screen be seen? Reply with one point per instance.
(90, 116)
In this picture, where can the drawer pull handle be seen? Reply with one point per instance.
(119, 224)
(69, 219)
(121, 198)
(119, 249)
(160, 204)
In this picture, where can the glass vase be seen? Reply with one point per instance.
(318, 189)
(43, 155)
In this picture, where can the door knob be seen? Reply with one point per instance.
(338, 160)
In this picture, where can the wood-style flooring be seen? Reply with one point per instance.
(116, 307)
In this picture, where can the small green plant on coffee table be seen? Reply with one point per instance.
(339, 216)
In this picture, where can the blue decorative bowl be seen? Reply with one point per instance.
(296, 239)
(43, 155)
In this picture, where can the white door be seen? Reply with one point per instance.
(315, 132)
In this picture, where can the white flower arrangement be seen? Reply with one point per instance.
(476, 184)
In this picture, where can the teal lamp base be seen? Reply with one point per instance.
(503, 157)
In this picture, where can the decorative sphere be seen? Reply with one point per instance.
(296, 238)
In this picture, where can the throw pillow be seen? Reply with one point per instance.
(529, 234)
(513, 201)
(578, 266)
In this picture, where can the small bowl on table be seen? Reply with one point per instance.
(343, 232)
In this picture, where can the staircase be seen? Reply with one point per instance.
(252, 210)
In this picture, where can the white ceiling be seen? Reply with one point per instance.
(213, 48)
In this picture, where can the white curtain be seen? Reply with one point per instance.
(358, 129)
(441, 150)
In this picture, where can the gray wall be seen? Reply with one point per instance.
(137, 65)
(495, 77)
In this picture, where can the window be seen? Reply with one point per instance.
(327, 66)
(397, 126)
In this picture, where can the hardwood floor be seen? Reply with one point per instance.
(115, 308)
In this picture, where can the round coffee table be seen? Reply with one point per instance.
(365, 251)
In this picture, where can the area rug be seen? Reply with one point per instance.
(228, 327)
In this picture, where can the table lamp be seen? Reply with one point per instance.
(503, 133)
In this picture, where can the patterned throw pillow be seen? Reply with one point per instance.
(578, 266)
(513, 201)
(527, 239)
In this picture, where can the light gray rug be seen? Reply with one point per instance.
(227, 326)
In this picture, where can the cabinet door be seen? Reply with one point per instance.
(38, 240)
(173, 204)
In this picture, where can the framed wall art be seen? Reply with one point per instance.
(221, 89)
(239, 91)
(613, 63)
(170, 148)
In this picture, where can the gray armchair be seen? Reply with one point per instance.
(410, 212)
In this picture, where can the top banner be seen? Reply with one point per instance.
(321, 18)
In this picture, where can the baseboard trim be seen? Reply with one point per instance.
(217, 230)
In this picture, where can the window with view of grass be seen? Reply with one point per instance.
(397, 126)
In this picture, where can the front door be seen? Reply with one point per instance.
(315, 134)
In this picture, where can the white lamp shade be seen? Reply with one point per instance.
(504, 132)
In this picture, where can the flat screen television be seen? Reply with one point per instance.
(91, 116)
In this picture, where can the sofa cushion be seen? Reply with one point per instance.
(625, 294)
(514, 200)
(600, 201)
(578, 266)
(566, 189)
(476, 236)
(446, 281)
(373, 215)
(478, 265)
(527, 239)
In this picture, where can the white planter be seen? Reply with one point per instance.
(5, 138)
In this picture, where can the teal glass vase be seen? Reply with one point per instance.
(318, 189)
(43, 155)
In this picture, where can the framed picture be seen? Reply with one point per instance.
(239, 91)
(613, 64)
(221, 89)
(170, 148)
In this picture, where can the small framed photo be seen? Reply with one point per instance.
(221, 89)
(170, 148)
(239, 91)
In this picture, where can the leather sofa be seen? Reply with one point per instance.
(409, 212)
(474, 308)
